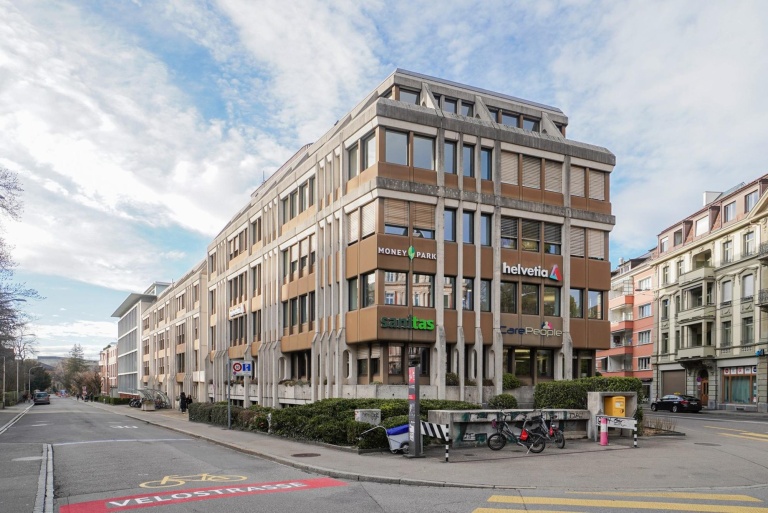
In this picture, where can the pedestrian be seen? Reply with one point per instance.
(183, 402)
(189, 401)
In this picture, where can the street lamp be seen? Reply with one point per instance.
(3, 382)
(29, 383)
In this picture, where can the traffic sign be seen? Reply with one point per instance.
(242, 368)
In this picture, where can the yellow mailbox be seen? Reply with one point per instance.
(615, 406)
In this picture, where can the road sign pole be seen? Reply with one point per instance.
(229, 387)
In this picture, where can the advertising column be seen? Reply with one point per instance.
(414, 414)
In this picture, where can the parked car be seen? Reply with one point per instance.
(676, 403)
(42, 398)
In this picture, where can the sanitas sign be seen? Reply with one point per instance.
(546, 330)
(539, 272)
(410, 253)
(408, 323)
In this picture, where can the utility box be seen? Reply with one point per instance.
(615, 406)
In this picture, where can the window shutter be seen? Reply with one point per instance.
(596, 185)
(553, 176)
(552, 233)
(509, 167)
(577, 181)
(362, 353)
(303, 245)
(395, 212)
(577, 241)
(531, 172)
(531, 230)
(509, 227)
(376, 352)
(596, 244)
(353, 225)
(369, 219)
(423, 216)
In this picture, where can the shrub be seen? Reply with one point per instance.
(200, 412)
(503, 402)
(451, 379)
(509, 381)
(488, 382)
(572, 394)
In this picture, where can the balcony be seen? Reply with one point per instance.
(622, 325)
(762, 298)
(696, 353)
(697, 314)
(762, 252)
(700, 274)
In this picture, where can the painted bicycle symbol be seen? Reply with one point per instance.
(176, 480)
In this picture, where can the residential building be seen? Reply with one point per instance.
(435, 225)
(711, 278)
(108, 370)
(631, 312)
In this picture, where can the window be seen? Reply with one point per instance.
(551, 301)
(423, 221)
(748, 286)
(750, 200)
(644, 337)
(664, 309)
(727, 251)
(664, 343)
(749, 244)
(729, 212)
(596, 242)
(485, 295)
(597, 185)
(665, 275)
(531, 124)
(407, 96)
(423, 290)
(353, 291)
(643, 311)
(702, 226)
(595, 307)
(663, 243)
(727, 339)
(486, 164)
(353, 162)
(727, 291)
(450, 156)
(396, 151)
(467, 294)
(678, 237)
(449, 217)
(466, 108)
(369, 151)
(449, 105)
(508, 232)
(577, 304)
(423, 152)
(468, 225)
(395, 217)
(395, 360)
(369, 289)
(680, 268)
(510, 118)
(552, 238)
(644, 363)
(486, 223)
(577, 241)
(747, 331)
(468, 160)
(644, 284)
(449, 292)
(303, 312)
(395, 288)
(531, 235)
(529, 299)
(508, 297)
(294, 311)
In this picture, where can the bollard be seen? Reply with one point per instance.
(604, 431)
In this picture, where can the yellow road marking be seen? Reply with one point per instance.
(724, 429)
(748, 437)
(497, 510)
(668, 506)
(679, 495)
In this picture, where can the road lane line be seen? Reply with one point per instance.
(127, 440)
(608, 503)
(678, 495)
(14, 420)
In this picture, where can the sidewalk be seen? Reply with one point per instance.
(661, 462)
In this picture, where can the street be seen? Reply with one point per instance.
(105, 461)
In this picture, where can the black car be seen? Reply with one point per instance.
(676, 403)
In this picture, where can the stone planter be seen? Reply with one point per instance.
(148, 406)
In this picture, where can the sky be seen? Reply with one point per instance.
(128, 121)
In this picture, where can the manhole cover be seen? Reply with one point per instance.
(305, 455)
(706, 444)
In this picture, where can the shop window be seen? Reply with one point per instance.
(395, 362)
(419, 355)
(545, 365)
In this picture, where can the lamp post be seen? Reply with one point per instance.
(29, 383)
(3, 406)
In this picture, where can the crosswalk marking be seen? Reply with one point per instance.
(678, 495)
(620, 504)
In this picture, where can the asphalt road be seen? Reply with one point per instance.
(105, 461)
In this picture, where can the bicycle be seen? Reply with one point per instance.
(550, 431)
(176, 480)
(534, 442)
